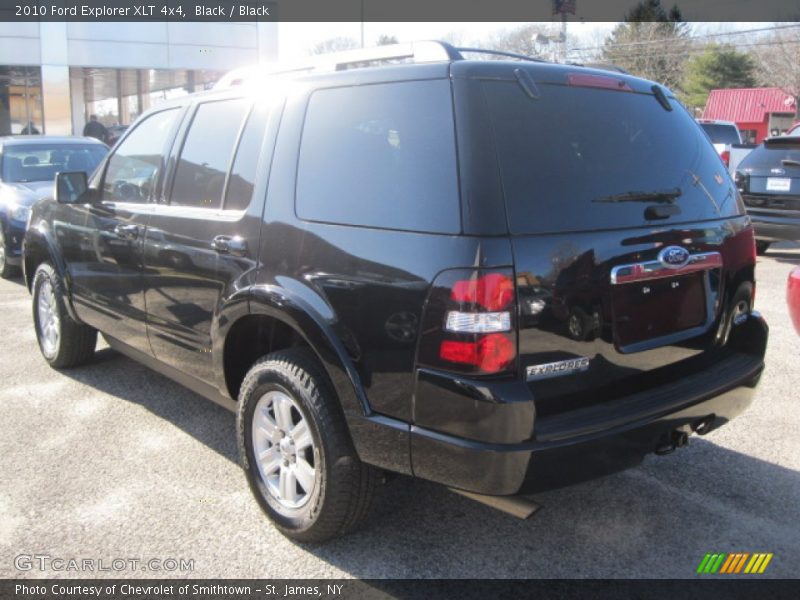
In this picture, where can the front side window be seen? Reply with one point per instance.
(134, 166)
(206, 154)
(243, 174)
(380, 156)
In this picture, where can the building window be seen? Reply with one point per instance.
(21, 100)
(118, 96)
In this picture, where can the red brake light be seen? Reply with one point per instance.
(492, 292)
(469, 323)
(597, 81)
(726, 157)
(491, 353)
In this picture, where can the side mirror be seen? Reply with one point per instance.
(73, 188)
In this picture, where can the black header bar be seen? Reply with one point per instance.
(385, 10)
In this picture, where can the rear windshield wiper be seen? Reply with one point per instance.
(788, 162)
(656, 196)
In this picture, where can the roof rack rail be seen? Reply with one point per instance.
(417, 52)
(500, 53)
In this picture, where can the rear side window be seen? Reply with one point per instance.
(206, 154)
(380, 156)
(581, 158)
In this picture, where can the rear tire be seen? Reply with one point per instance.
(296, 451)
(63, 341)
(762, 247)
(580, 325)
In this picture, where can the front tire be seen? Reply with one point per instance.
(64, 342)
(296, 451)
(7, 271)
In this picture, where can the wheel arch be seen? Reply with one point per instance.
(266, 318)
(39, 246)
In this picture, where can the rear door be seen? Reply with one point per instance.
(626, 232)
(203, 236)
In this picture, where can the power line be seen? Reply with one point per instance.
(688, 38)
(700, 49)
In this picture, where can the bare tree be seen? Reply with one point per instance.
(334, 44)
(778, 62)
(532, 39)
(653, 50)
(385, 39)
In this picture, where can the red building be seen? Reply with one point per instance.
(758, 112)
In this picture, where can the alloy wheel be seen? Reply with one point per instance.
(49, 322)
(284, 449)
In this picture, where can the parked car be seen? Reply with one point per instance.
(723, 134)
(793, 297)
(394, 244)
(29, 165)
(769, 181)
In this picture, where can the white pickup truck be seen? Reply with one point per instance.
(727, 140)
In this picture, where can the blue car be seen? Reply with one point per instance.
(28, 166)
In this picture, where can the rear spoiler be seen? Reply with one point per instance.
(783, 140)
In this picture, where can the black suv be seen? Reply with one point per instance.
(769, 180)
(501, 276)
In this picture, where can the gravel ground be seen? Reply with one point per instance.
(113, 461)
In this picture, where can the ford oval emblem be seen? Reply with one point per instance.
(673, 257)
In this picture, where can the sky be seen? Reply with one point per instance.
(295, 40)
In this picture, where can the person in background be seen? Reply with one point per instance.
(95, 129)
(30, 129)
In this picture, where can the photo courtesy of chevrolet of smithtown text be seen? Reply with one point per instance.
(370, 299)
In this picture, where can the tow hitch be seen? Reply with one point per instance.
(677, 438)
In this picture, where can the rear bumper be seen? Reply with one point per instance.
(771, 228)
(592, 442)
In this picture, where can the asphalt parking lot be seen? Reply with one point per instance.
(113, 461)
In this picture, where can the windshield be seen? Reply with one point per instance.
(39, 162)
(580, 158)
(721, 134)
(771, 154)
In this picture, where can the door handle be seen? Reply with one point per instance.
(233, 245)
(127, 232)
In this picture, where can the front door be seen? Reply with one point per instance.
(107, 270)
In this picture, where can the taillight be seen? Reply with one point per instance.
(469, 324)
(753, 257)
(726, 157)
(742, 180)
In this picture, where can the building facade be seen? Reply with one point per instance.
(758, 112)
(54, 76)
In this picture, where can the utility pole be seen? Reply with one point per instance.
(563, 7)
(362, 23)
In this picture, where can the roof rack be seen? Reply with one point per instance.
(500, 53)
(413, 52)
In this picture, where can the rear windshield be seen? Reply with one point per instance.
(771, 153)
(40, 162)
(587, 158)
(721, 134)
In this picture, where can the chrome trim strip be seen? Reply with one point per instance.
(655, 269)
